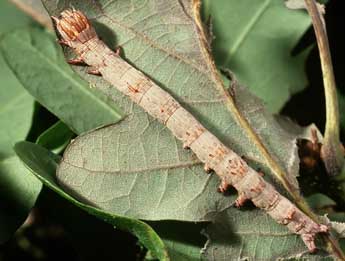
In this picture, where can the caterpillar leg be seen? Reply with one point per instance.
(223, 186)
(76, 61)
(94, 71)
(240, 200)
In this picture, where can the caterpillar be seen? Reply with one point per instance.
(77, 32)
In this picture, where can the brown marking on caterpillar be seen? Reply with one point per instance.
(238, 167)
(300, 226)
(259, 187)
(138, 89)
(192, 135)
(77, 32)
(217, 155)
(94, 71)
(168, 109)
(291, 213)
(76, 61)
(144, 86)
(132, 89)
(273, 202)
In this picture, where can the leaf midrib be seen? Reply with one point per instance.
(247, 29)
(135, 171)
(154, 44)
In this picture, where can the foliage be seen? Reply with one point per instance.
(135, 169)
(260, 35)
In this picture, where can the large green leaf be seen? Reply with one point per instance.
(45, 74)
(35, 9)
(183, 240)
(16, 104)
(255, 39)
(56, 137)
(42, 163)
(18, 192)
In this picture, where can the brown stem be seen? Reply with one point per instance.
(36, 11)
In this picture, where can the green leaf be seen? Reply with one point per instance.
(320, 201)
(42, 163)
(36, 10)
(45, 75)
(179, 250)
(18, 192)
(251, 235)
(16, 105)
(56, 137)
(255, 39)
(15, 112)
(182, 239)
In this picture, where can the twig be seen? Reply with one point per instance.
(331, 152)
(77, 32)
(36, 10)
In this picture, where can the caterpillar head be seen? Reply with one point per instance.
(73, 26)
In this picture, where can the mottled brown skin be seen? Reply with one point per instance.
(77, 32)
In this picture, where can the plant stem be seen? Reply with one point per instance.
(331, 150)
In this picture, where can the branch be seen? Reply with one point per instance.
(77, 32)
